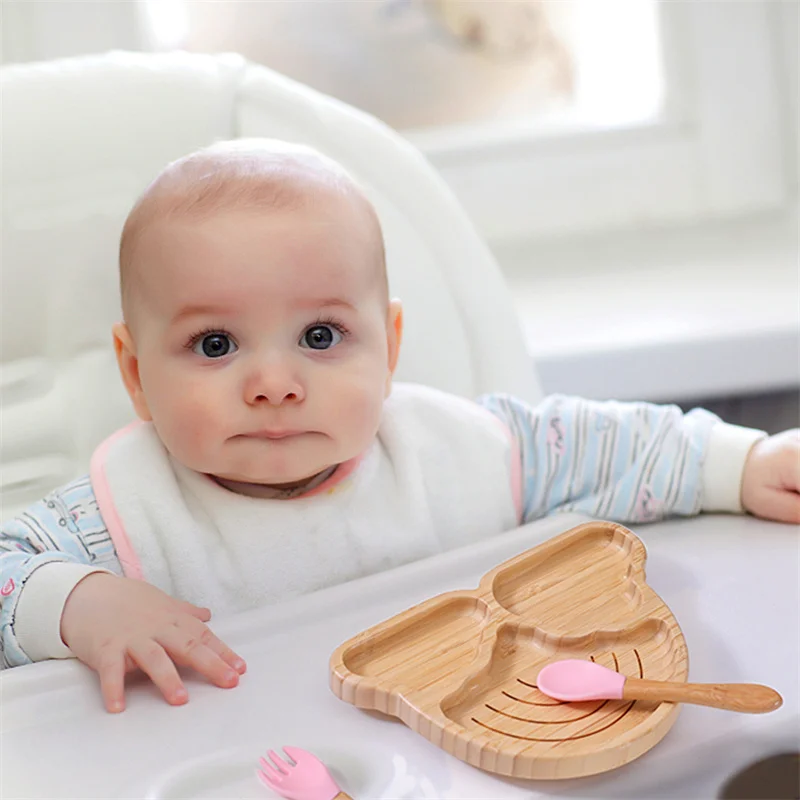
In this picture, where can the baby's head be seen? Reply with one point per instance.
(258, 333)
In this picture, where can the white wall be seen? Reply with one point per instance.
(35, 31)
(787, 23)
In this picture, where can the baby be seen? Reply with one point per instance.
(273, 456)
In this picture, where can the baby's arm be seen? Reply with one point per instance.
(44, 553)
(631, 462)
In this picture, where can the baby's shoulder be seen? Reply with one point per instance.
(69, 508)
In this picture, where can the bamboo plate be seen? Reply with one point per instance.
(461, 668)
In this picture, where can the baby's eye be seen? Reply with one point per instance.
(321, 337)
(215, 345)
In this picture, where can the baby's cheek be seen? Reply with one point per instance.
(189, 426)
(360, 412)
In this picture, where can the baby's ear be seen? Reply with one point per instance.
(394, 337)
(125, 348)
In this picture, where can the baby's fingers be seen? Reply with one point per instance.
(202, 651)
(111, 672)
(203, 614)
(782, 506)
(154, 661)
(227, 655)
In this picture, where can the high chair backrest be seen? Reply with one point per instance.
(82, 137)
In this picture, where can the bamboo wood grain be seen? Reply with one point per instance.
(750, 698)
(460, 668)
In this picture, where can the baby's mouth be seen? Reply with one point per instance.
(276, 434)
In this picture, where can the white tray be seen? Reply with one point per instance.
(57, 742)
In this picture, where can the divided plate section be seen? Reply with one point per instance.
(576, 584)
(501, 708)
(429, 649)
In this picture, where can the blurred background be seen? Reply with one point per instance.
(633, 164)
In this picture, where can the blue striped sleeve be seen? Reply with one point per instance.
(629, 462)
(65, 526)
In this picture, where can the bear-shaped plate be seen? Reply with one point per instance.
(460, 668)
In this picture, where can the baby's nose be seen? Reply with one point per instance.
(274, 385)
(276, 397)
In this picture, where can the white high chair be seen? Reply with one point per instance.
(82, 137)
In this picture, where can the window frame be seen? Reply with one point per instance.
(717, 151)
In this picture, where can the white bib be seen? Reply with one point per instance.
(441, 473)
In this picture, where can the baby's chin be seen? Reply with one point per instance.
(273, 479)
(289, 469)
(259, 466)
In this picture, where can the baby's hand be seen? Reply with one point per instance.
(116, 625)
(771, 479)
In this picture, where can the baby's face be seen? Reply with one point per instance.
(264, 341)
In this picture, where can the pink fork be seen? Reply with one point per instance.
(305, 779)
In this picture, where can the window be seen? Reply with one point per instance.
(716, 149)
(441, 64)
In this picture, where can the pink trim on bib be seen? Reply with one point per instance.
(131, 566)
(515, 465)
(516, 474)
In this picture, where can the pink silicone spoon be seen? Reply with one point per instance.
(574, 680)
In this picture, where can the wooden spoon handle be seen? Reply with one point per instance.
(342, 796)
(751, 698)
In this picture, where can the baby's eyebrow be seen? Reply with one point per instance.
(197, 311)
(327, 302)
(214, 310)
